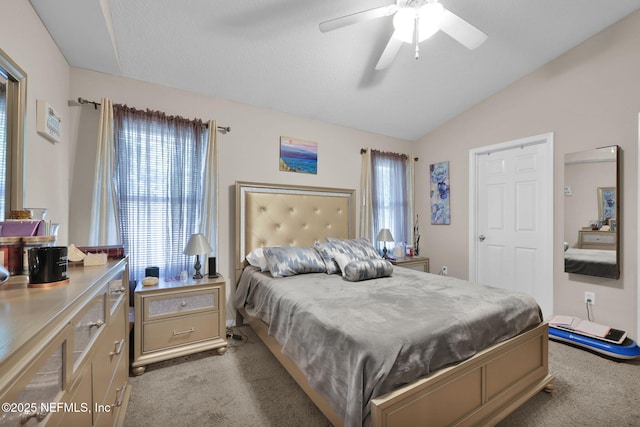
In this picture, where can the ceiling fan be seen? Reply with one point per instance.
(413, 22)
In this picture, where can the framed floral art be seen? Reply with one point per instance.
(439, 195)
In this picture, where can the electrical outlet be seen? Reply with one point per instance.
(590, 298)
(445, 270)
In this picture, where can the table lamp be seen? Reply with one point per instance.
(384, 236)
(197, 245)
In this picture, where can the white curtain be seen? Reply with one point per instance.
(366, 208)
(210, 189)
(413, 223)
(104, 220)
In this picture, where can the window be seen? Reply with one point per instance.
(159, 175)
(391, 202)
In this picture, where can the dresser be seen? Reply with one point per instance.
(176, 318)
(415, 263)
(64, 350)
(594, 239)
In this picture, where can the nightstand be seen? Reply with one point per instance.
(414, 263)
(594, 239)
(175, 318)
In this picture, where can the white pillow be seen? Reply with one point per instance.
(342, 259)
(257, 259)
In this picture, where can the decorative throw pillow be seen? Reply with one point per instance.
(257, 259)
(356, 271)
(343, 258)
(328, 252)
(361, 248)
(286, 261)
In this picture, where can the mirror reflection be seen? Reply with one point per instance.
(3, 143)
(13, 94)
(591, 224)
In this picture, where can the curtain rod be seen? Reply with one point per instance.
(222, 129)
(364, 150)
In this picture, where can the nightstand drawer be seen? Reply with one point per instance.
(413, 263)
(185, 303)
(180, 331)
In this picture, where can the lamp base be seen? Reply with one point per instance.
(197, 266)
(384, 253)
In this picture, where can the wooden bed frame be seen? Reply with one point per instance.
(481, 390)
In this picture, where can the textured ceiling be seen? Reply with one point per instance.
(270, 53)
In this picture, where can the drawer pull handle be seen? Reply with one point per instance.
(118, 349)
(97, 324)
(119, 290)
(38, 414)
(183, 304)
(183, 332)
(119, 398)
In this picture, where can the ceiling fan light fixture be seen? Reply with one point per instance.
(428, 17)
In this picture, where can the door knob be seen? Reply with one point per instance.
(481, 237)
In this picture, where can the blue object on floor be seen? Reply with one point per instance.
(628, 349)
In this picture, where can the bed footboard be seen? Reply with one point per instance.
(479, 391)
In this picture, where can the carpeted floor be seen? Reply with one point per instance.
(248, 387)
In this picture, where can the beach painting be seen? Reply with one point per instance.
(297, 155)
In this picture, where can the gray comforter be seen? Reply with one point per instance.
(594, 262)
(357, 341)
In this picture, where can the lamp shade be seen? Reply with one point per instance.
(384, 235)
(198, 244)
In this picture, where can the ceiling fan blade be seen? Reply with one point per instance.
(389, 54)
(354, 18)
(461, 30)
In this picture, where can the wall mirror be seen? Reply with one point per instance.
(13, 98)
(591, 214)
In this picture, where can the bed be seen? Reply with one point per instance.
(593, 262)
(376, 387)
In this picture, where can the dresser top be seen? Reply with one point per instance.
(29, 312)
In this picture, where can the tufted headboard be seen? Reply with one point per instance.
(290, 215)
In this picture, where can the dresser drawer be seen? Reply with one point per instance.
(41, 385)
(598, 238)
(116, 292)
(79, 401)
(158, 307)
(108, 355)
(86, 326)
(107, 411)
(180, 331)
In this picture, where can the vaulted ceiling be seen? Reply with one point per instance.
(271, 54)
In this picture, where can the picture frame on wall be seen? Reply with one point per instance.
(607, 203)
(439, 194)
(297, 155)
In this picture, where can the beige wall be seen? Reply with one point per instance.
(248, 153)
(588, 97)
(27, 42)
